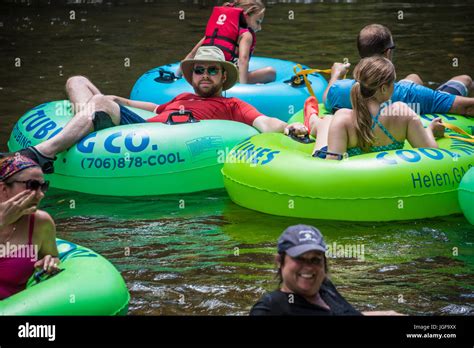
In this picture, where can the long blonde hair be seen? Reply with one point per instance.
(370, 74)
(250, 7)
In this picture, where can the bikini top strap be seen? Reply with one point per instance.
(378, 123)
(376, 118)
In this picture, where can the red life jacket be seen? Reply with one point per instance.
(223, 29)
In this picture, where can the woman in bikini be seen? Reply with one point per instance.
(373, 124)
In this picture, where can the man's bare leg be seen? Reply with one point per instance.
(80, 125)
(463, 106)
(414, 78)
(263, 75)
(80, 90)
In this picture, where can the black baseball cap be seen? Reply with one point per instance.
(299, 239)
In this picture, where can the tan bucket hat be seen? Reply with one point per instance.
(210, 54)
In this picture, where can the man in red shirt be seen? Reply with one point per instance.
(209, 74)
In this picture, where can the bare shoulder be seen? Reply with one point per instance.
(343, 113)
(245, 37)
(44, 222)
(398, 109)
(45, 229)
(343, 117)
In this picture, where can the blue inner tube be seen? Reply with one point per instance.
(278, 99)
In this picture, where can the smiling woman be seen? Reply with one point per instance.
(304, 286)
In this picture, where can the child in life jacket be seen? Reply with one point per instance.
(232, 28)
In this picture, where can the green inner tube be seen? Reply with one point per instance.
(274, 174)
(87, 284)
(136, 159)
(466, 195)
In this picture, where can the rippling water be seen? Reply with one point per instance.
(214, 257)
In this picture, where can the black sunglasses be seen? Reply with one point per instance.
(34, 185)
(314, 261)
(212, 70)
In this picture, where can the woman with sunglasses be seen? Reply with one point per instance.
(27, 235)
(304, 288)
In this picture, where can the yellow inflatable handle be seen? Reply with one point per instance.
(469, 139)
(303, 73)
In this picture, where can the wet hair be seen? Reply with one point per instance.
(250, 7)
(370, 74)
(279, 275)
(373, 39)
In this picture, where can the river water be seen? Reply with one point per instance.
(211, 256)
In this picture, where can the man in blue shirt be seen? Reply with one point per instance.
(450, 97)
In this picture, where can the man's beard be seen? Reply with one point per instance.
(213, 91)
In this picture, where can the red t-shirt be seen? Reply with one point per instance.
(213, 108)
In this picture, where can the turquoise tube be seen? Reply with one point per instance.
(280, 99)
